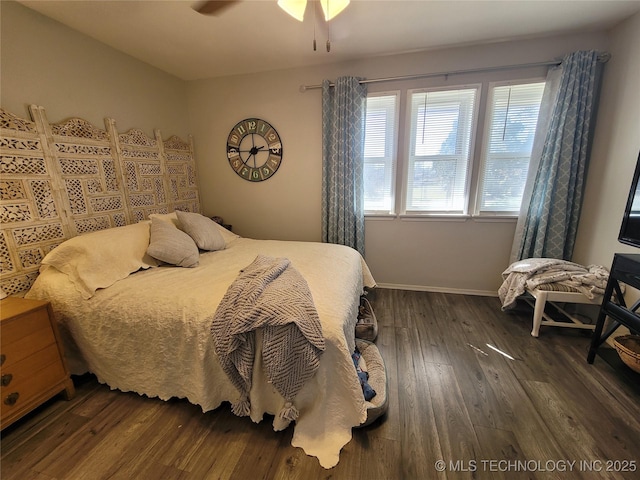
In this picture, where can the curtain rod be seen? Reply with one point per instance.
(552, 63)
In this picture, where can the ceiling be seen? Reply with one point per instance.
(256, 35)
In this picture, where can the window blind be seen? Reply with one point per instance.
(380, 152)
(442, 124)
(512, 119)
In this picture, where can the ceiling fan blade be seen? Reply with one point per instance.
(213, 7)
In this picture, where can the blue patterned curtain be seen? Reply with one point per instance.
(343, 119)
(551, 218)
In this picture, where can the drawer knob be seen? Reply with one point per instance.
(6, 379)
(12, 398)
(3, 357)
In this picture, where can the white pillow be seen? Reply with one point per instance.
(99, 259)
(171, 245)
(203, 230)
(172, 218)
(226, 234)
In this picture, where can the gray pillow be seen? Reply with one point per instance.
(203, 230)
(171, 245)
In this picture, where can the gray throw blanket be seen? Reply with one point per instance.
(272, 295)
(533, 272)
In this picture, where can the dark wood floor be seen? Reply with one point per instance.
(546, 413)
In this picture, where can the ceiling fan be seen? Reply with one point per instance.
(212, 7)
(295, 8)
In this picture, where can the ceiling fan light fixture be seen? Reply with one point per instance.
(295, 8)
(332, 8)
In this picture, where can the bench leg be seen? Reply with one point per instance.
(538, 311)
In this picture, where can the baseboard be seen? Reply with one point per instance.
(422, 288)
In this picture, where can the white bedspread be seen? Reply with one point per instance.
(150, 333)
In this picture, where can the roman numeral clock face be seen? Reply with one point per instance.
(254, 149)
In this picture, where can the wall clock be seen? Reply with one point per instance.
(254, 149)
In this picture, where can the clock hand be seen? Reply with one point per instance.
(253, 150)
(251, 153)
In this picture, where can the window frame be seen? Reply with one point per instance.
(484, 146)
(408, 142)
(480, 129)
(393, 152)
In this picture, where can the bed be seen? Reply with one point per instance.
(143, 324)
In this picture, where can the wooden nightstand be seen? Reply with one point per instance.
(32, 362)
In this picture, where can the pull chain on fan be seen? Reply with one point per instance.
(328, 29)
(295, 8)
(330, 8)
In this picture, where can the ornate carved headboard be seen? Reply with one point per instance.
(65, 179)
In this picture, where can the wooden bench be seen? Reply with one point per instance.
(554, 294)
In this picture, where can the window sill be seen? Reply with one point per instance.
(380, 216)
(439, 217)
(430, 217)
(495, 218)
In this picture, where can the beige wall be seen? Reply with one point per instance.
(615, 150)
(463, 256)
(71, 75)
(287, 205)
(615, 153)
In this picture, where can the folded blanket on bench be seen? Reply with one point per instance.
(533, 272)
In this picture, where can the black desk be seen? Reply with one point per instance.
(625, 269)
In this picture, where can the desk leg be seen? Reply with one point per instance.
(595, 339)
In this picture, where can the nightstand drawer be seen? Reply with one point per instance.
(20, 338)
(33, 368)
(29, 378)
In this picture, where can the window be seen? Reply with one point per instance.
(380, 152)
(512, 115)
(448, 169)
(442, 127)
